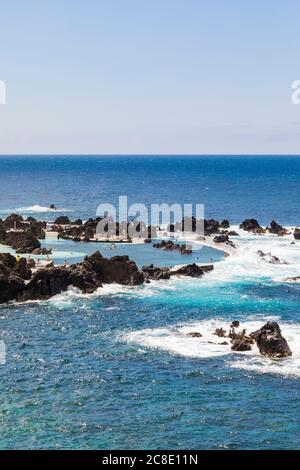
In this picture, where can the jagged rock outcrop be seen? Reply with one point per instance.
(169, 245)
(191, 224)
(232, 233)
(251, 225)
(211, 226)
(79, 231)
(16, 222)
(20, 234)
(13, 221)
(156, 273)
(36, 227)
(42, 251)
(62, 220)
(277, 229)
(221, 239)
(242, 343)
(269, 258)
(220, 332)
(297, 233)
(119, 269)
(292, 279)
(88, 276)
(12, 276)
(22, 242)
(270, 341)
(225, 224)
(191, 270)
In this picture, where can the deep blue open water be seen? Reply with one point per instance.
(115, 369)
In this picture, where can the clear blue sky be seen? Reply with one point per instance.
(149, 76)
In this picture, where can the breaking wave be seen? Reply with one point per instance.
(38, 209)
(174, 340)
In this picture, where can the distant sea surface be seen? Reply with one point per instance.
(231, 187)
(115, 370)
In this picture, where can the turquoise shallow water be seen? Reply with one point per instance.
(116, 369)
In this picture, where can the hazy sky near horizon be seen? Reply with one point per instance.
(140, 76)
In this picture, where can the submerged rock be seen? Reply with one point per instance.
(220, 332)
(195, 334)
(270, 341)
(292, 279)
(269, 258)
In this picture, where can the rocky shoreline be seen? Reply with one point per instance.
(18, 281)
(24, 235)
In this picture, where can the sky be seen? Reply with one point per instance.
(149, 76)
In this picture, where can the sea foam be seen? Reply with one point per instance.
(36, 208)
(174, 340)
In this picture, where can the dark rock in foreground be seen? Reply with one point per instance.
(12, 276)
(88, 276)
(270, 341)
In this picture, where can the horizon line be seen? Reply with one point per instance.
(149, 155)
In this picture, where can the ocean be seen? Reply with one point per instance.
(115, 369)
